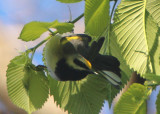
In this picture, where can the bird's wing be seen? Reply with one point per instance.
(90, 52)
(108, 66)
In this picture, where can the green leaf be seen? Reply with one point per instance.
(16, 90)
(158, 104)
(26, 88)
(132, 31)
(142, 109)
(132, 101)
(153, 35)
(111, 93)
(34, 30)
(38, 90)
(153, 6)
(62, 27)
(69, 1)
(152, 77)
(116, 51)
(96, 16)
(80, 97)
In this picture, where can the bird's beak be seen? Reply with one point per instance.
(88, 64)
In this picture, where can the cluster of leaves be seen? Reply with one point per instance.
(133, 38)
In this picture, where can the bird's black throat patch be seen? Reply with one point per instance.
(66, 72)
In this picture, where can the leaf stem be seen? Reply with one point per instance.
(38, 45)
(77, 19)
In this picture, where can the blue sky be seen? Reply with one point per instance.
(15, 11)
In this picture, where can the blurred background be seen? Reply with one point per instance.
(14, 14)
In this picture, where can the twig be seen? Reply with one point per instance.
(113, 9)
(77, 19)
(52, 34)
(34, 48)
(108, 45)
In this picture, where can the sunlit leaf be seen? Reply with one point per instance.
(62, 27)
(142, 109)
(152, 77)
(96, 16)
(38, 88)
(116, 51)
(153, 6)
(132, 101)
(80, 97)
(132, 31)
(34, 30)
(27, 88)
(153, 35)
(16, 90)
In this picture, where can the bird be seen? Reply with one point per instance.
(73, 57)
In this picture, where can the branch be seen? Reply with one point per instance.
(52, 34)
(77, 19)
(108, 44)
(113, 9)
(38, 45)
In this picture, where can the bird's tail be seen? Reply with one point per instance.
(108, 66)
(113, 78)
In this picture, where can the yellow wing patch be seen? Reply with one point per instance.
(73, 38)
